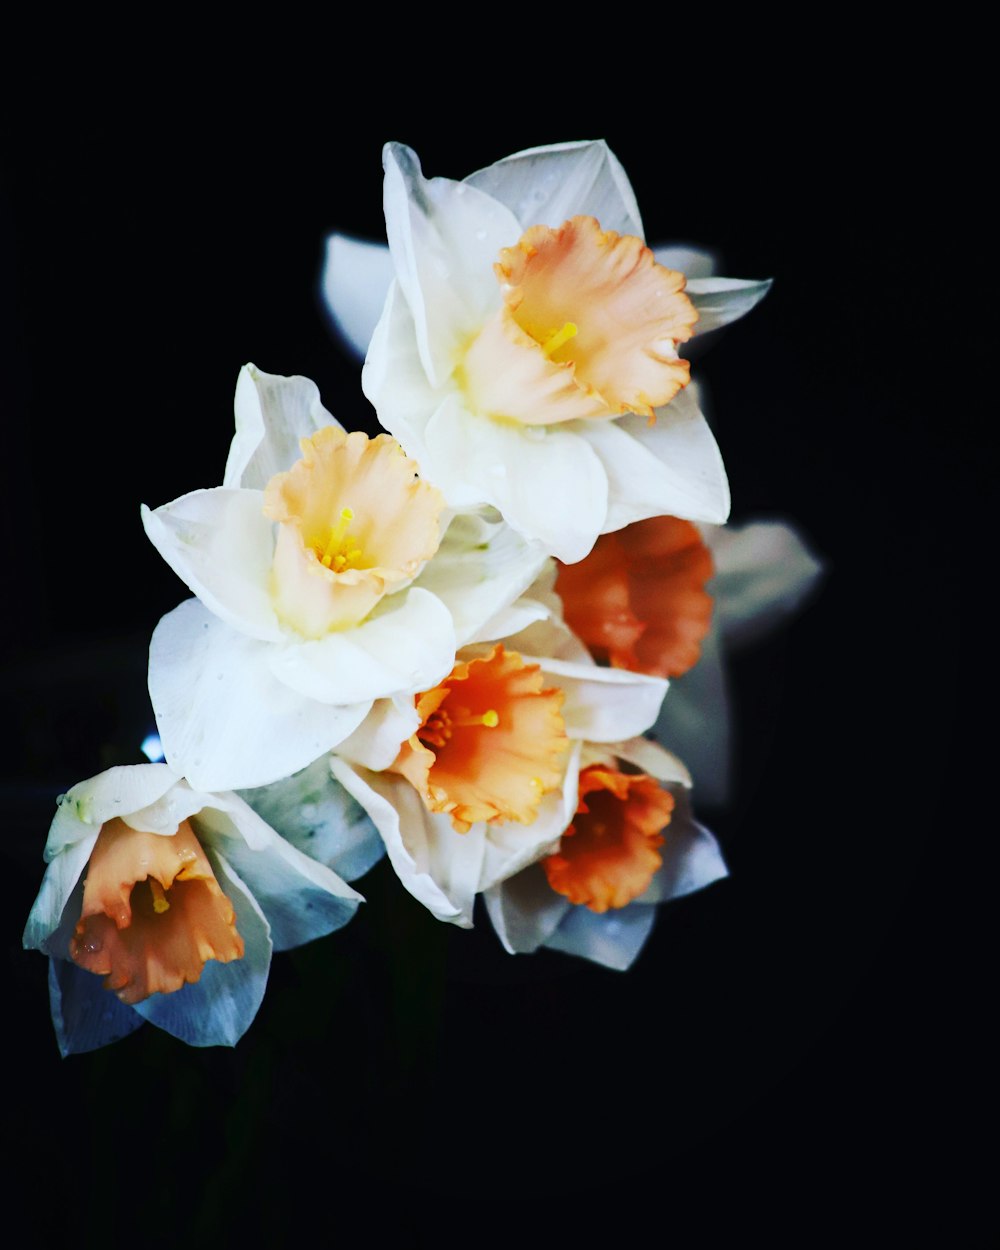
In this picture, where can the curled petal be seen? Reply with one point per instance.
(720, 301)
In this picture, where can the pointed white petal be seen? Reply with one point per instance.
(695, 722)
(548, 483)
(225, 721)
(116, 792)
(525, 911)
(355, 281)
(221, 545)
(604, 704)
(653, 760)
(85, 1015)
(394, 381)
(692, 858)
(301, 898)
(479, 570)
(444, 237)
(722, 300)
(693, 262)
(432, 861)
(217, 1009)
(51, 921)
(407, 644)
(613, 938)
(763, 573)
(317, 815)
(272, 414)
(548, 185)
(671, 468)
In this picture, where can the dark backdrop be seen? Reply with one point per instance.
(786, 1052)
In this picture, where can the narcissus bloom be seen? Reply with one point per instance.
(527, 352)
(164, 904)
(323, 583)
(477, 777)
(631, 845)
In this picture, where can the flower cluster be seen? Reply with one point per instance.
(453, 644)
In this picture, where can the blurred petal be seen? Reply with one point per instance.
(407, 644)
(671, 467)
(548, 483)
(317, 815)
(547, 185)
(695, 722)
(524, 910)
(221, 545)
(218, 1009)
(272, 414)
(85, 1015)
(691, 856)
(693, 262)
(763, 572)
(613, 938)
(651, 758)
(225, 721)
(355, 281)
(429, 223)
(605, 704)
(722, 300)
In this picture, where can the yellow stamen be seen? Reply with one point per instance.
(491, 719)
(337, 535)
(555, 341)
(160, 904)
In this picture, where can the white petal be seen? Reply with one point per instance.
(613, 938)
(119, 791)
(317, 815)
(695, 722)
(692, 858)
(85, 1015)
(301, 898)
(50, 921)
(548, 483)
(763, 573)
(604, 704)
(377, 740)
(407, 644)
(225, 721)
(444, 237)
(221, 545)
(217, 1009)
(272, 414)
(548, 185)
(355, 281)
(671, 468)
(652, 759)
(479, 570)
(394, 381)
(429, 863)
(524, 910)
(693, 262)
(720, 301)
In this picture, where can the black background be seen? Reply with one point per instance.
(793, 1054)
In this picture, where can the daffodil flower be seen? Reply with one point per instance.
(527, 350)
(475, 778)
(163, 903)
(322, 583)
(632, 845)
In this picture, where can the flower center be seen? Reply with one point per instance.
(608, 855)
(153, 913)
(490, 742)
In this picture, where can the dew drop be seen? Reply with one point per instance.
(93, 945)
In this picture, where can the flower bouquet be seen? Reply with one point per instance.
(486, 643)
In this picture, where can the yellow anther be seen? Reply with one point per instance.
(555, 341)
(160, 903)
(491, 719)
(338, 533)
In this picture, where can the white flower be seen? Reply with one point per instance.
(493, 386)
(164, 904)
(648, 857)
(477, 778)
(314, 595)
